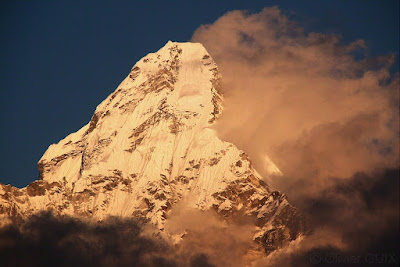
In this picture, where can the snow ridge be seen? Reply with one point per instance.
(149, 146)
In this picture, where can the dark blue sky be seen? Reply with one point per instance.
(60, 59)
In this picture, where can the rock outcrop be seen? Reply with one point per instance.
(149, 146)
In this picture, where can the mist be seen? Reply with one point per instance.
(303, 99)
(204, 233)
(326, 114)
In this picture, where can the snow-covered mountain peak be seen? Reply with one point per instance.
(175, 88)
(188, 69)
(148, 147)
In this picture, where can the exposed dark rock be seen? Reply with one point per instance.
(37, 188)
(93, 123)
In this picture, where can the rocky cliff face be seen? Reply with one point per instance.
(148, 147)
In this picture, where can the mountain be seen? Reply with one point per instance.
(149, 147)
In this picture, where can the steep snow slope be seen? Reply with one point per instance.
(149, 146)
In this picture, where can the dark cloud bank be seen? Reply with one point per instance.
(354, 222)
(46, 240)
(326, 114)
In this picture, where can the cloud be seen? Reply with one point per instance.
(324, 113)
(204, 233)
(283, 88)
(46, 240)
(354, 222)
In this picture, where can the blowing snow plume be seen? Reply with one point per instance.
(327, 116)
